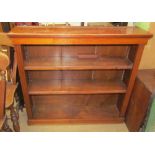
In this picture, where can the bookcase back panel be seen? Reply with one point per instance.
(39, 51)
(132, 53)
(74, 51)
(106, 75)
(74, 106)
(113, 50)
(44, 75)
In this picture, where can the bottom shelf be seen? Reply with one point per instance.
(107, 120)
(75, 109)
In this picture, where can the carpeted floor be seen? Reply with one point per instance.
(69, 128)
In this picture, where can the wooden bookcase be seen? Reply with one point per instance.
(77, 74)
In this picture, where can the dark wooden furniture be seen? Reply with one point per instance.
(10, 79)
(143, 91)
(6, 27)
(4, 62)
(77, 74)
(7, 90)
(10, 95)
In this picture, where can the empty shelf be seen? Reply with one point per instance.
(63, 63)
(76, 87)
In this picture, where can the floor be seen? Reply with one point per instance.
(69, 128)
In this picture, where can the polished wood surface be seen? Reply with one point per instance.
(75, 87)
(105, 120)
(73, 74)
(75, 109)
(131, 79)
(77, 31)
(10, 91)
(76, 57)
(77, 64)
(78, 35)
(141, 97)
(4, 62)
(7, 95)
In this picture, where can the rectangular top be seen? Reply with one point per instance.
(68, 31)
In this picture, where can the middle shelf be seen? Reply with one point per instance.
(47, 87)
(75, 63)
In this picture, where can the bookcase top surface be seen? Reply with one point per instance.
(40, 31)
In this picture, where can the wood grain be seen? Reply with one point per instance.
(138, 105)
(4, 62)
(132, 78)
(75, 108)
(76, 64)
(75, 87)
(78, 61)
(107, 32)
(78, 35)
(140, 100)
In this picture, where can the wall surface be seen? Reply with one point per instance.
(148, 58)
(143, 25)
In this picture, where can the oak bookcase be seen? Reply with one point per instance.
(77, 74)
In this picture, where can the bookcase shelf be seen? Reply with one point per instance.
(77, 74)
(75, 87)
(62, 63)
